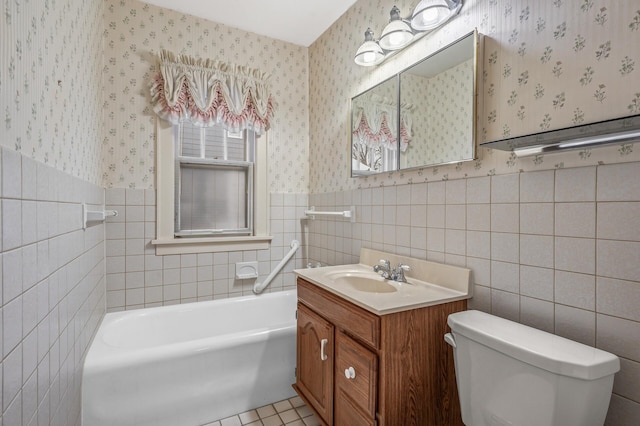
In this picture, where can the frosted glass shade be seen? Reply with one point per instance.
(369, 53)
(430, 14)
(396, 35)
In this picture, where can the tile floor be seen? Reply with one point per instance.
(290, 412)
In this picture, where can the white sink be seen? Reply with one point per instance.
(428, 283)
(366, 282)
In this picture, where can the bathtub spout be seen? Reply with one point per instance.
(259, 287)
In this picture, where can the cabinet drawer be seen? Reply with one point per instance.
(356, 321)
(356, 378)
(347, 413)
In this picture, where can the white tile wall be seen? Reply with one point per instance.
(537, 187)
(577, 184)
(505, 247)
(479, 217)
(626, 384)
(479, 190)
(536, 250)
(575, 254)
(577, 290)
(556, 249)
(618, 182)
(619, 259)
(505, 189)
(52, 274)
(537, 218)
(137, 278)
(575, 324)
(505, 276)
(505, 304)
(537, 313)
(505, 218)
(619, 336)
(536, 282)
(618, 221)
(567, 225)
(478, 243)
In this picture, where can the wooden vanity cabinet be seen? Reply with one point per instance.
(314, 371)
(388, 370)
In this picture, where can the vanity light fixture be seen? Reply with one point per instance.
(369, 53)
(399, 33)
(430, 14)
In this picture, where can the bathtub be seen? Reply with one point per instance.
(190, 364)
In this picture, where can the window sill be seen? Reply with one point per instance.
(209, 244)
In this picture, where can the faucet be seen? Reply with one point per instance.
(395, 274)
(384, 268)
(400, 272)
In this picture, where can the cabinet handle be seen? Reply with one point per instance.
(323, 343)
(350, 373)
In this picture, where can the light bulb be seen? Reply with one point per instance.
(369, 57)
(396, 39)
(429, 16)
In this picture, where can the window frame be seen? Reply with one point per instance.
(166, 242)
(195, 163)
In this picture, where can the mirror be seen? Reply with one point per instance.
(441, 91)
(374, 129)
(434, 110)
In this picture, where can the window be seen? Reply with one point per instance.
(209, 92)
(212, 192)
(213, 181)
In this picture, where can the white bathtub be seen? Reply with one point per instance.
(190, 364)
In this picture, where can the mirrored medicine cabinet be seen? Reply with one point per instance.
(423, 116)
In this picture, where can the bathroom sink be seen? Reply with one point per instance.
(365, 283)
(428, 283)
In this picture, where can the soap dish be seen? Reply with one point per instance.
(246, 270)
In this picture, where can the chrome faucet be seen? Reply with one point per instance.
(400, 272)
(383, 268)
(395, 274)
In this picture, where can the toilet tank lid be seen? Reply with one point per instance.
(536, 347)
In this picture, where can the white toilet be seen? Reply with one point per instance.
(511, 374)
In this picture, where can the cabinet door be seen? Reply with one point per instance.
(356, 382)
(314, 377)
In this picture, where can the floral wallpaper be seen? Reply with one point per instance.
(547, 65)
(74, 94)
(50, 71)
(443, 107)
(135, 33)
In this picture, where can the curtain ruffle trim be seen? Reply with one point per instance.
(230, 87)
(211, 65)
(384, 137)
(218, 112)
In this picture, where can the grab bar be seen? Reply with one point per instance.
(351, 213)
(95, 216)
(258, 287)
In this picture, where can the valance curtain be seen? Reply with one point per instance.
(209, 93)
(375, 123)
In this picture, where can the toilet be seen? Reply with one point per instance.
(511, 374)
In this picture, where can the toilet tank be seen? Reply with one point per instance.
(511, 374)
